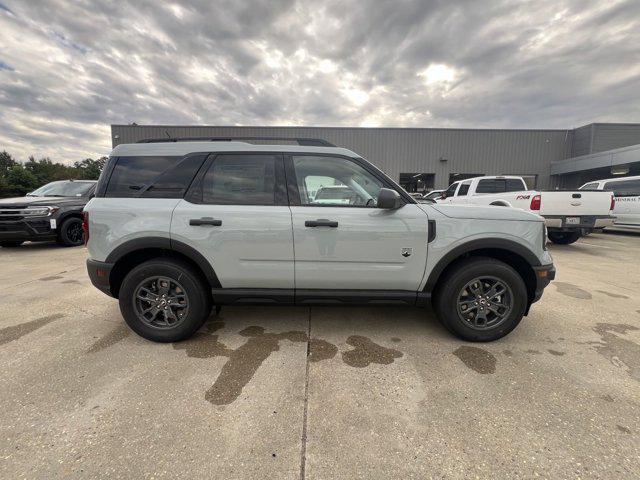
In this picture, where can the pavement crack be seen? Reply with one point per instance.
(303, 450)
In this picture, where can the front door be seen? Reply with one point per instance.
(237, 216)
(341, 240)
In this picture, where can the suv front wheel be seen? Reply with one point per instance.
(481, 299)
(164, 300)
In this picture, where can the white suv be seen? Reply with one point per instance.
(178, 226)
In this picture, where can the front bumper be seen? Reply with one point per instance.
(586, 221)
(544, 275)
(99, 273)
(33, 229)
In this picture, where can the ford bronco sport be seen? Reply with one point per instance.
(177, 226)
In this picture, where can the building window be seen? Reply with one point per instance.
(417, 182)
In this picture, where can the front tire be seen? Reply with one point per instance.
(563, 238)
(481, 299)
(70, 233)
(11, 244)
(164, 300)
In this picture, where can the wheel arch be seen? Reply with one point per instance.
(520, 258)
(134, 252)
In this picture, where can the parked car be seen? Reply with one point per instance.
(52, 212)
(566, 213)
(433, 195)
(627, 194)
(177, 226)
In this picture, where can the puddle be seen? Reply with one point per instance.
(367, 352)
(571, 290)
(477, 359)
(321, 350)
(613, 295)
(621, 352)
(111, 338)
(9, 334)
(396, 339)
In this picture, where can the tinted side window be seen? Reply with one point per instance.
(464, 189)
(173, 182)
(515, 185)
(132, 174)
(589, 186)
(629, 188)
(241, 180)
(491, 185)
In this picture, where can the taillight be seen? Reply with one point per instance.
(535, 202)
(613, 202)
(85, 226)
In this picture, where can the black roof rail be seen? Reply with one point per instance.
(307, 142)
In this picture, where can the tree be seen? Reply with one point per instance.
(6, 162)
(20, 181)
(89, 168)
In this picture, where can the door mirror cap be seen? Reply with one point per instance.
(389, 199)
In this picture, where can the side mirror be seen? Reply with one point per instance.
(443, 196)
(389, 199)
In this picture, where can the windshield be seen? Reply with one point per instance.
(63, 189)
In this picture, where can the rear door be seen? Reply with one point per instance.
(627, 193)
(353, 246)
(237, 216)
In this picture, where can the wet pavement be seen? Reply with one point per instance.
(321, 392)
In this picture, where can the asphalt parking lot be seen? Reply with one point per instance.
(325, 392)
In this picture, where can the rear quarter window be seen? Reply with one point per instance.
(133, 174)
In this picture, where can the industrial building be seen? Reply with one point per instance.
(427, 158)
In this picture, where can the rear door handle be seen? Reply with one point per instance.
(198, 222)
(321, 222)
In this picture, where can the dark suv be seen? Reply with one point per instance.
(52, 212)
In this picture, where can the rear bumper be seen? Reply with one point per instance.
(99, 273)
(544, 275)
(586, 221)
(33, 229)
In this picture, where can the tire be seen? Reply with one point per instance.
(70, 233)
(11, 244)
(452, 288)
(563, 238)
(181, 277)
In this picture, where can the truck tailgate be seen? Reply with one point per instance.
(575, 203)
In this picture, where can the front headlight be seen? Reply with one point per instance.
(39, 211)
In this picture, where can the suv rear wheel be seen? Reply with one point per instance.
(481, 299)
(164, 300)
(70, 232)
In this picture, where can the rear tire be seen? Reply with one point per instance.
(70, 233)
(187, 300)
(11, 244)
(455, 299)
(563, 238)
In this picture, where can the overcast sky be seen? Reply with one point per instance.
(70, 69)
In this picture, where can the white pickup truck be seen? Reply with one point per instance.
(566, 213)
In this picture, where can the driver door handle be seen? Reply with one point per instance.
(321, 222)
(198, 222)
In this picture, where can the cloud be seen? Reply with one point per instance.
(70, 69)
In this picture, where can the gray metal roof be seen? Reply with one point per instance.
(183, 148)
